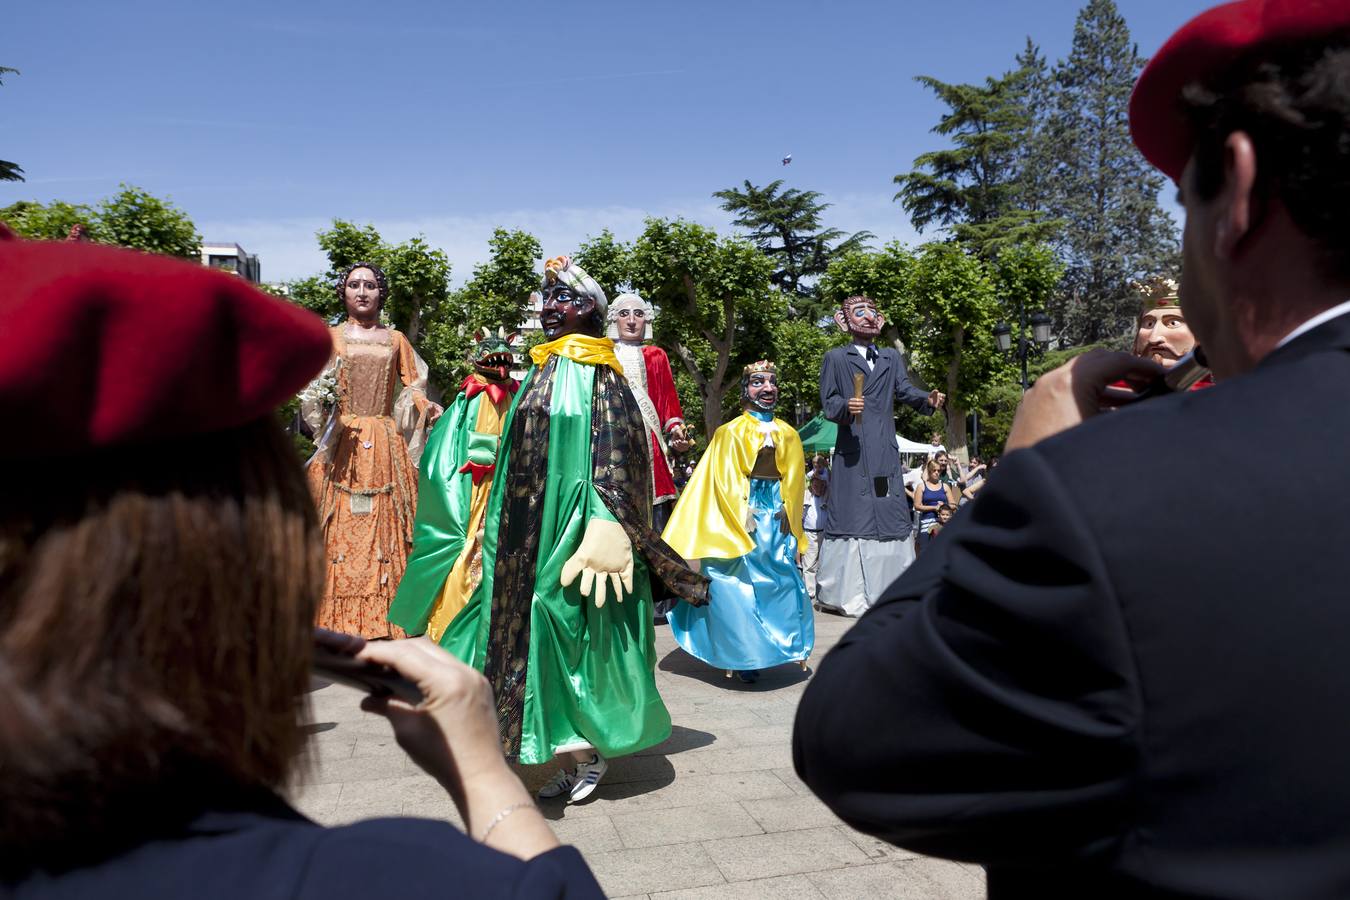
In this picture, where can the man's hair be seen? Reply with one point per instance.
(156, 607)
(1294, 103)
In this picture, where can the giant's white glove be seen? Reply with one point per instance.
(606, 552)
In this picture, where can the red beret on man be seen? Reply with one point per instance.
(103, 347)
(1206, 46)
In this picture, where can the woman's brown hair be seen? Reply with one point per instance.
(156, 606)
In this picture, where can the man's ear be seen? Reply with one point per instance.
(840, 320)
(1237, 212)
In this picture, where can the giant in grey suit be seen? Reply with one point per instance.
(865, 545)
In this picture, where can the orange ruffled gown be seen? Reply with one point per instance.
(363, 476)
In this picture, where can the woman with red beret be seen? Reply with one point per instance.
(160, 563)
(364, 470)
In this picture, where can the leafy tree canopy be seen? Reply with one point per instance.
(130, 218)
(785, 225)
(971, 188)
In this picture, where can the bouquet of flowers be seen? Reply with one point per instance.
(324, 389)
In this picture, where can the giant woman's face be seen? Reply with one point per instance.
(361, 293)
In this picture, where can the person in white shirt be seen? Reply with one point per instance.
(814, 505)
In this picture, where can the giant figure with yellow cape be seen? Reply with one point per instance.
(741, 516)
(561, 623)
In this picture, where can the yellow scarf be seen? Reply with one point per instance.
(582, 348)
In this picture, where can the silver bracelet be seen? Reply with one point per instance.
(497, 819)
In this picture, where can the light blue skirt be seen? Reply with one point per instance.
(758, 614)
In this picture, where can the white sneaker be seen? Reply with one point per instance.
(560, 784)
(587, 776)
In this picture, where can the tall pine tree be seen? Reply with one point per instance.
(9, 171)
(786, 227)
(972, 187)
(1115, 231)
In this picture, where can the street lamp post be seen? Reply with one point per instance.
(1040, 337)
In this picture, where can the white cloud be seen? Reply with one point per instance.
(288, 250)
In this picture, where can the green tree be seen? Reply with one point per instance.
(1104, 190)
(956, 301)
(51, 221)
(9, 171)
(1032, 93)
(318, 294)
(418, 274)
(717, 305)
(498, 294)
(799, 345)
(1001, 400)
(785, 225)
(135, 218)
(607, 260)
(884, 276)
(971, 188)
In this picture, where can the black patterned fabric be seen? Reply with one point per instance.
(623, 481)
(508, 644)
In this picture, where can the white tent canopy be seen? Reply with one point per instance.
(904, 445)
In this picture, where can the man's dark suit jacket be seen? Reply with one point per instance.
(270, 852)
(1125, 669)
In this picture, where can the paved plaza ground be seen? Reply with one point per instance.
(714, 812)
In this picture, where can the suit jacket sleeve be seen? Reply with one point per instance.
(907, 393)
(833, 402)
(987, 708)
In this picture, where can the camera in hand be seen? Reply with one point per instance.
(335, 660)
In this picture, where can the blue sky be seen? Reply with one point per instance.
(265, 120)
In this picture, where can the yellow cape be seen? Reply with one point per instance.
(594, 351)
(709, 518)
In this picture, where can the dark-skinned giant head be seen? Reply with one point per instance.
(573, 302)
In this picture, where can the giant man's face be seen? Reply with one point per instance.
(565, 311)
(860, 318)
(761, 391)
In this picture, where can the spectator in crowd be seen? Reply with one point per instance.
(813, 523)
(1063, 704)
(929, 496)
(944, 516)
(160, 564)
(949, 471)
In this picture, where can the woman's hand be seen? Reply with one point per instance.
(452, 733)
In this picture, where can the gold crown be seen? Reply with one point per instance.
(762, 365)
(1158, 291)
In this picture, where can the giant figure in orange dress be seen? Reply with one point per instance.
(364, 470)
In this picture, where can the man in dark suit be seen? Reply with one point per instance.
(1101, 683)
(865, 545)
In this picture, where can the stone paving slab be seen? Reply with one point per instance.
(714, 812)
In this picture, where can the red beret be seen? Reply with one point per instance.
(102, 347)
(1206, 45)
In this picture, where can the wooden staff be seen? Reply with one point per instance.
(857, 392)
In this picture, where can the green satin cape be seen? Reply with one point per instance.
(590, 674)
(443, 497)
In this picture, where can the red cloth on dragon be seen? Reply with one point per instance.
(497, 392)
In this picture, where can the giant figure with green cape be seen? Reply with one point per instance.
(561, 623)
(454, 486)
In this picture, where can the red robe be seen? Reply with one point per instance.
(661, 390)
